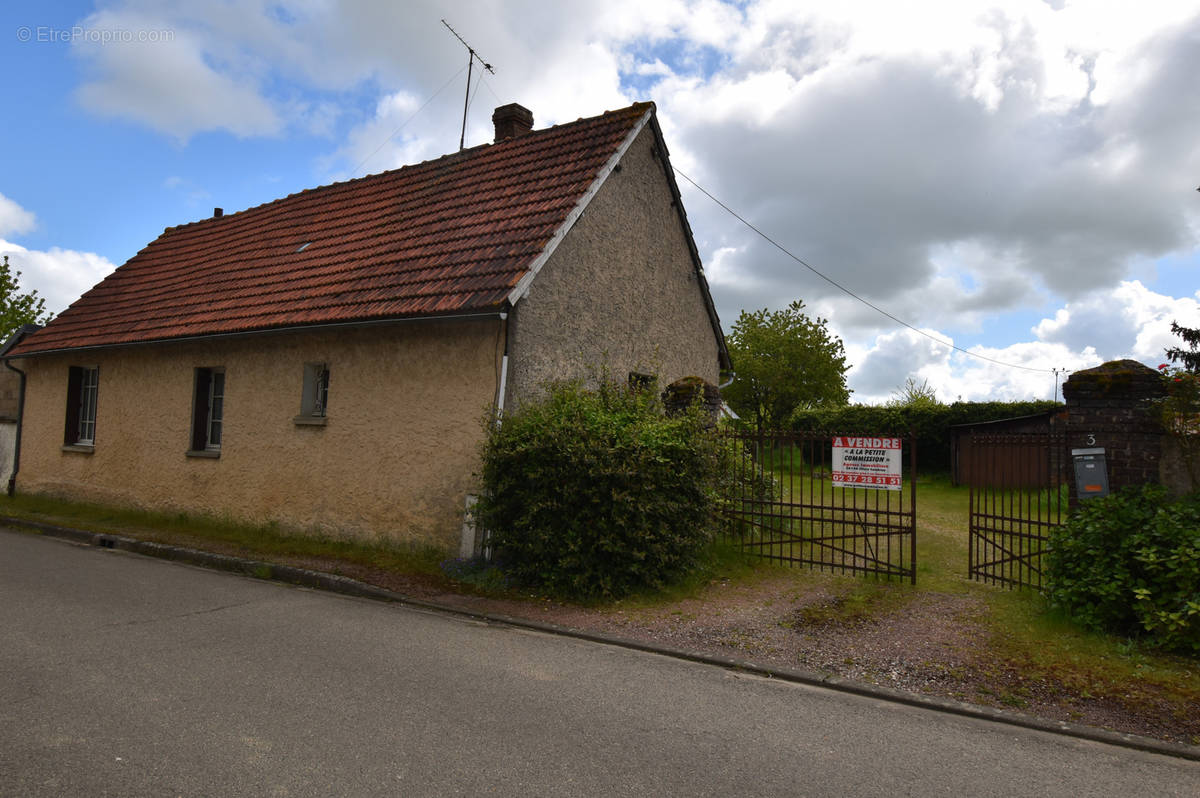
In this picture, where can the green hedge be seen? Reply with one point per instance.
(1129, 564)
(929, 424)
(593, 494)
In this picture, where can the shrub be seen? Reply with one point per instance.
(929, 423)
(595, 493)
(1179, 411)
(1129, 563)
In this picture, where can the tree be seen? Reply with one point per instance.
(784, 360)
(1181, 406)
(1190, 357)
(913, 394)
(17, 308)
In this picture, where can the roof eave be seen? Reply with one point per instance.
(722, 350)
(482, 314)
(22, 332)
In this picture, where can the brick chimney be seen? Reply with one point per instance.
(511, 121)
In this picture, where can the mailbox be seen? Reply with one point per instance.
(1091, 473)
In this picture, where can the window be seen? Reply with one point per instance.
(83, 385)
(208, 411)
(314, 399)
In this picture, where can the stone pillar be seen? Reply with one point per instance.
(1112, 406)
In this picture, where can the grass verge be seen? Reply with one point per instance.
(1032, 643)
(224, 536)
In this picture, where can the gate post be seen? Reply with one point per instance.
(1112, 406)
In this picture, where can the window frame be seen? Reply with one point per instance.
(83, 392)
(314, 395)
(208, 411)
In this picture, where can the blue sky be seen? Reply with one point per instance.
(110, 184)
(1016, 178)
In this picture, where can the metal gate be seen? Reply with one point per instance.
(783, 507)
(1020, 491)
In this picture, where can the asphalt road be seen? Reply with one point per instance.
(121, 675)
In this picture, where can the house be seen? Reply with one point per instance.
(327, 360)
(10, 383)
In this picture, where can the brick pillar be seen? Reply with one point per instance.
(1112, 407)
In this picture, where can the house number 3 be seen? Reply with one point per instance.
(1091, 440)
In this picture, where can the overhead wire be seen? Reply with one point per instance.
(488, 86)
(473, 92)
(404, 124)
(846, 290)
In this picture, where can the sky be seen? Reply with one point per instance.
(1015, 183)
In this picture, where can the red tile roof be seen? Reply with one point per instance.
(448, 236)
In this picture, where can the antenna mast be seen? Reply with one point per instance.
(471, 56)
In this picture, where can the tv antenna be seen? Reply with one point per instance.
(471, 57)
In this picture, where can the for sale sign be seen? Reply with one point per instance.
(866, 462)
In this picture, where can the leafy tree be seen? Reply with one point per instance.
(1190, 357)
(17, 308)
(914, 395)
(785, 360)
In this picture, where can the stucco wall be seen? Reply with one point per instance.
(8, 443)
(394, 460)
(10, 385)
(620, 290)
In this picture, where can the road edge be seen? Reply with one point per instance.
(319, 580)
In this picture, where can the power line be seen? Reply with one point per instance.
(846, 290)
(406, 121)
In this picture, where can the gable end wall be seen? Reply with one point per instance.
(619, 292)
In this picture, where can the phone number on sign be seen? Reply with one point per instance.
(864, 479)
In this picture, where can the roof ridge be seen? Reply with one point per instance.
(463, 154)
(449, 235)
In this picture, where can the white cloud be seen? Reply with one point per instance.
(1131, 321)
(894, 357)
(171, 84)
(14, 219)
(1015, 372)
(1011, 158)
(394, 137)
(60, 276)
(717, 270)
